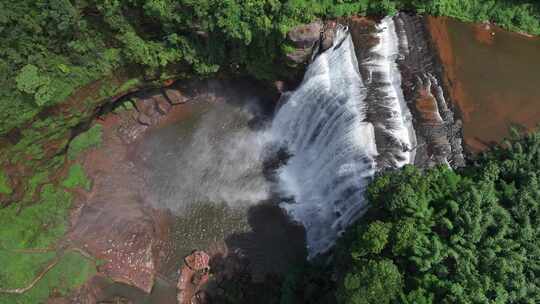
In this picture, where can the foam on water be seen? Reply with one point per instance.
(392, 118)
(325, 126)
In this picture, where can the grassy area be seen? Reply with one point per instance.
(71, 272)
(89, 139)
(77, 178)
(4, 184)
(38, 225)
(29, 237)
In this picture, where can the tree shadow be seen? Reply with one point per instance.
(256, 262)
(274, 243)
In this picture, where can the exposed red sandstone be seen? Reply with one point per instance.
(115, 222)
(194, 274)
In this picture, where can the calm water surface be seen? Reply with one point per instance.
(495, 79)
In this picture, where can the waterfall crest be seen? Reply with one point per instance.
(339, 129)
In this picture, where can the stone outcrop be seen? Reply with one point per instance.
(439, 133)
(152, 105)
(304, 38)
(308, 38)
(175, 96)
(193, 275)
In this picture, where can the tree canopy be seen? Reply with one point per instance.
(438, 236)
(49, 48)
(445, 236)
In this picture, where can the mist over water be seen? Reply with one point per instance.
(345, 121)
(212, 157)
(209, 170)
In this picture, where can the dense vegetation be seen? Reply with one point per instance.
(78, 53)
(444, 236)
(49, 48)
(32, 228)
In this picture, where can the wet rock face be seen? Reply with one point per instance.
(309, 38)
(328, 35)
(114, 223)
(304, 38)
(438, 132)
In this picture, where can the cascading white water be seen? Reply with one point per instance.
(394, 120)
(325, 126)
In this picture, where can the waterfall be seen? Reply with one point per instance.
(389, 112)
(336, 145)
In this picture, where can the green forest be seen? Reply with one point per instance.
(51, 48)
(439, 236)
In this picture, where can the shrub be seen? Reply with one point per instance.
(90, 139)
(77, 178)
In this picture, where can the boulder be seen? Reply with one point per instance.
(144, 119)
(193, 275)
(162, 105)
(304, 38)
(174, 96)
(144, 106)
(151, 109)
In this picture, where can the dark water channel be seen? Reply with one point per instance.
(493, 75)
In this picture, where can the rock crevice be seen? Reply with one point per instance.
(439, 132)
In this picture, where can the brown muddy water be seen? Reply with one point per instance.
(493, 78)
